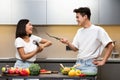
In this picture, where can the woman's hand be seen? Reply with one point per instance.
(40, 48)
(45, 43)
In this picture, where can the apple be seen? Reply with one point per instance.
(28, 71)
(24, 72)
(3, 69)
(17, 70)
(11, 70)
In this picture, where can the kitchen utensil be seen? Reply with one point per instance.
(53, 36)
(47, 72)
(76, 65)
(54, 72)
(62, 66)
(36, 43)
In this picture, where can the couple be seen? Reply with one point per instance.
(89, 41)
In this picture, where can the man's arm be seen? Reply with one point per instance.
(71, 46)
(108, 51)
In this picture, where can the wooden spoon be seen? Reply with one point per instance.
(76, 65)
(62, 66)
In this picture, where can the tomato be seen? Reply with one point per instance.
(43, 70)
(82, 75)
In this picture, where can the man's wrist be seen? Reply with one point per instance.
(104, 60)
(67, 43)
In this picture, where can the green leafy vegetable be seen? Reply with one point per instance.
(34, 69)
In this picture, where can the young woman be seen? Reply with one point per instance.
(27, 45)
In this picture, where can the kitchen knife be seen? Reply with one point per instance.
(53, 36)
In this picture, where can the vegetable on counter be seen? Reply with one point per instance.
(34, 69)
(12, 71)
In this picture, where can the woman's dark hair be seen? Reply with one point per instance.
(83, 11)
(21, 28)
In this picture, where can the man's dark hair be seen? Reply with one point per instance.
(83, 11)
(21, 28)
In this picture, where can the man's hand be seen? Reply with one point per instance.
(99, 63)
(71, 46)
(63, 40)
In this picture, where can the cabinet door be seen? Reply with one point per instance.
(109, 12)
(34, 10)
(93, 5)
(110, 71)
(61, 11)
(5, 9)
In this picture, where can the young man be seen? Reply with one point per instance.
(89, 41)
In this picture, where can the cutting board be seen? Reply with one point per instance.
(49, 72)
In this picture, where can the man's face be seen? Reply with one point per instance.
(80, 19)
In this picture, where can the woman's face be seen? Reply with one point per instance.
(29, 28)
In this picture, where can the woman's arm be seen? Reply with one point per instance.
(45, 43)
(28, 55)
(24, 56)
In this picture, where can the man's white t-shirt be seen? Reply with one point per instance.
(90, 42)
(28, 46)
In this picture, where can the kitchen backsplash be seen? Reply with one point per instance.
(57, 50)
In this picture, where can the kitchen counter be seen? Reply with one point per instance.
(58, 76)
(55, 60)
(105, 72)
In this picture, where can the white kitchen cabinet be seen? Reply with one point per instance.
(109, 13)
(61, 11)
(34, 10)
(5, 11)
(45, 11)
(58, 12)
(93, 5)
